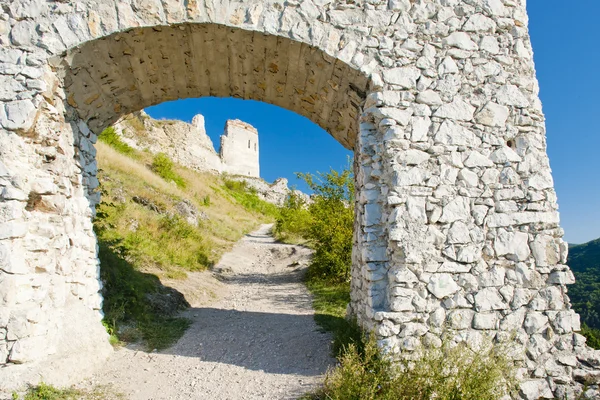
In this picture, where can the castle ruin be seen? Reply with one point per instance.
(238, 154)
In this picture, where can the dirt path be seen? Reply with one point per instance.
(258, 341)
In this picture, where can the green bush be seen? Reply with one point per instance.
(327, 224)
(294, 220)
(163, 167)
(449, 373)
(111, 138)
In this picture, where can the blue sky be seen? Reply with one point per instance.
(566, 43)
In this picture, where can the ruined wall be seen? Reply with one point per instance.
(456, 227)
(239, 149)
(190, 146)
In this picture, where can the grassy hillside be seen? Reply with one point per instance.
(584, 260)
(159, 221)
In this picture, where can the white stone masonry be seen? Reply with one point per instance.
(456, 228)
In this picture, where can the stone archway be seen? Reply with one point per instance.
(456, 224)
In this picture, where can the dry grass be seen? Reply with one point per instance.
(111, 160)
(228, 221)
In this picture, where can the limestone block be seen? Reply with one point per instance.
(535, 322)
(451, 133)
(488, 320)
(495, 8)
(458, 110)
(548, 298)
(493, 277)
(460, 319)
(504, 155)
(476, 159)
(461, 40)
(493, 114)
(403, 77)
(511, 95)
(562, 278)
(442, 285)
(458, 209)
(420, 128)
(489, 44)
(521, 297)
(18, 115)
(488, 299)
(24, 33)
(566, 322)
(469, 177)
(430, 98)
(387, 329)
(513, 245)
(459, 233)
(448, 66)
(535, 390)
(412, 176)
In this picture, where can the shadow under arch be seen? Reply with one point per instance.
(127, 71)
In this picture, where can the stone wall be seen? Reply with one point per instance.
(239, 149)
(456, 227)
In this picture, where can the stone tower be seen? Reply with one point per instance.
(239, 149)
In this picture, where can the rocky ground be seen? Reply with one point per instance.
(252, 337)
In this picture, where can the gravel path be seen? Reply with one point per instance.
(257, 341)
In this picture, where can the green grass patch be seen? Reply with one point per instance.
(136, 305)
(330, 302)
(248, 198)
(44, 391)
(162, 332)
(48, 392)
(111, 138)
(326, 224)
(163, 167)
(163, 241)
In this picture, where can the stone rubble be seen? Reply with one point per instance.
(457, 225)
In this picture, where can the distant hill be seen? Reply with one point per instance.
(583, 257)
(584, 260)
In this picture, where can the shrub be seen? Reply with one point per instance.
(111, 138)
(448, 373)
(294, 220)
(327, 224)
(163, 167)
